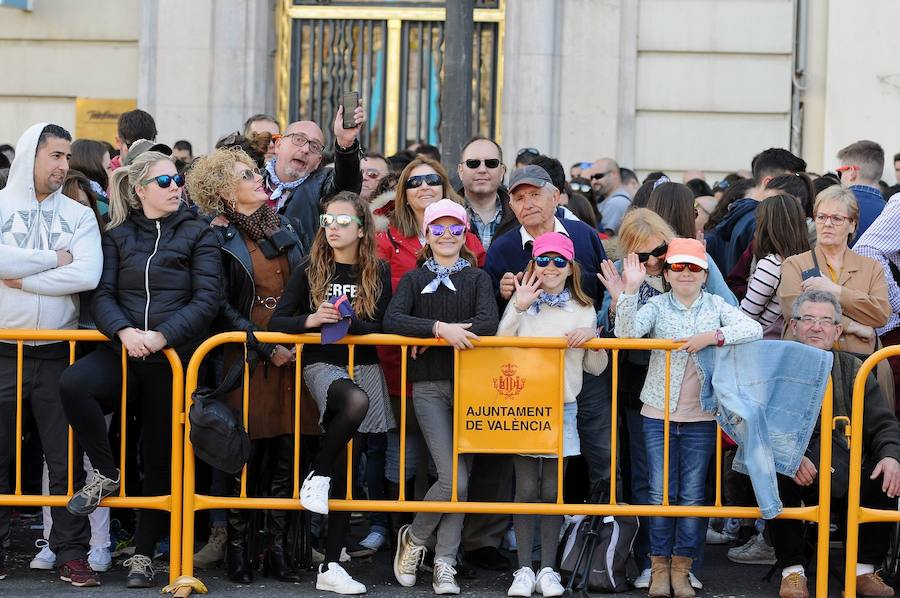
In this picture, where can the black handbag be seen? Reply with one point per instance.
(217, 434)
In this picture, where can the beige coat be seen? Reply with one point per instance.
(863, 297)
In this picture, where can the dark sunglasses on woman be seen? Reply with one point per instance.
(659, 252)
(437, 230)
(250, 174)
(166, 180)
(432, 180)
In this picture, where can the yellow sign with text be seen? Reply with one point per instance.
(98, 119)
(510, 400)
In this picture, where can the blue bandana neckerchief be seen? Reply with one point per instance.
(274, 181)
(442, 274)
(561, 301)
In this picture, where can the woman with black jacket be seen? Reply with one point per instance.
(260, 250)
(159, 288)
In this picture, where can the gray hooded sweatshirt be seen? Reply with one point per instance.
(30, 234)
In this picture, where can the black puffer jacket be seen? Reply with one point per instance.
(162, 275)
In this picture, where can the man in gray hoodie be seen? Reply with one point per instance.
(49, 252)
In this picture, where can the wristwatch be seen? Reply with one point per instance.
(720, 338)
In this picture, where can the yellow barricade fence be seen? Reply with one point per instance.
(515, 367)
(171, 502)
(857, 514)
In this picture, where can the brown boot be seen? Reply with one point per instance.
(794, 586)
(660, 586)
(871, 584)
(681, 580)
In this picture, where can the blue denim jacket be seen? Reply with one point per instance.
(766, 396)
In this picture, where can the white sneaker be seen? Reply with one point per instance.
(714, 537)
(45, 560)
(522, 584)
(695, 583)
(335, 579)
(99, 558)
(642, 581)
(314, 493)
(754, 552)
(548, 583)
(443, 579)
(408, 558)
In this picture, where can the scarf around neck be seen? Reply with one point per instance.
(280, 188)
(561, 301)
(258, 225)
(442, 274)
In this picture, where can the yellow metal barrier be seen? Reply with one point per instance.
(857, 514)
(171, 502)
(193, 502)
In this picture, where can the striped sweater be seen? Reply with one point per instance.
(761, 301)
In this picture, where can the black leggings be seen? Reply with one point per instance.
(346, 406)
(91, 388)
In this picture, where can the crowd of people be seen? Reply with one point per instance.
(288, 230)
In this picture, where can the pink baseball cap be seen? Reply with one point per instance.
(444, 207)
(553, 243)
(687, 251)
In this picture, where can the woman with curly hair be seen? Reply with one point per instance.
(260, 251)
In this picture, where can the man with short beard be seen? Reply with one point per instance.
(49, 252)
(297, 182)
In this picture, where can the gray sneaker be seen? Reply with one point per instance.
(86, 500)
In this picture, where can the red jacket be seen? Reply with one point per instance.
(400, 253)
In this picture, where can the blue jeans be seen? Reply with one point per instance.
(640, 482)
(595, 425)
(691, 446)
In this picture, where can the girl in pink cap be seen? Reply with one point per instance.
(550, 302)
(446, 297)
(690, 314)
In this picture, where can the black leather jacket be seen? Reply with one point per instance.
(239, 286)
(304, 205)
(162, 275)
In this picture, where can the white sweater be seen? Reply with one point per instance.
(556, 322)
(30, 233)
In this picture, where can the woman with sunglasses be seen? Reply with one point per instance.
(422, 183)
(341, 280)
(448, 298)
(685, 313)
(645, 234)
(260, 250)
(159, 288)
(550, 302)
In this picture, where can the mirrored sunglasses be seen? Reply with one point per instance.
(432, 180)
(437, 230)
(166, 180)
(342, 220)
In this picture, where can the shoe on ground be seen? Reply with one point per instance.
(140, 573)
(214, 550)
(314, 493)
(754, 552)
(86, 500)
(335, 579)
(99, 558)
(642, 581)
(488, 557)
(45, 560)
(794, 586)
(871, 584)
(695, 583)
(713, 537)
(78, 573)
(368, 545)
(548, 583)
(408, 558)
(522, 584)
(443, 579)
